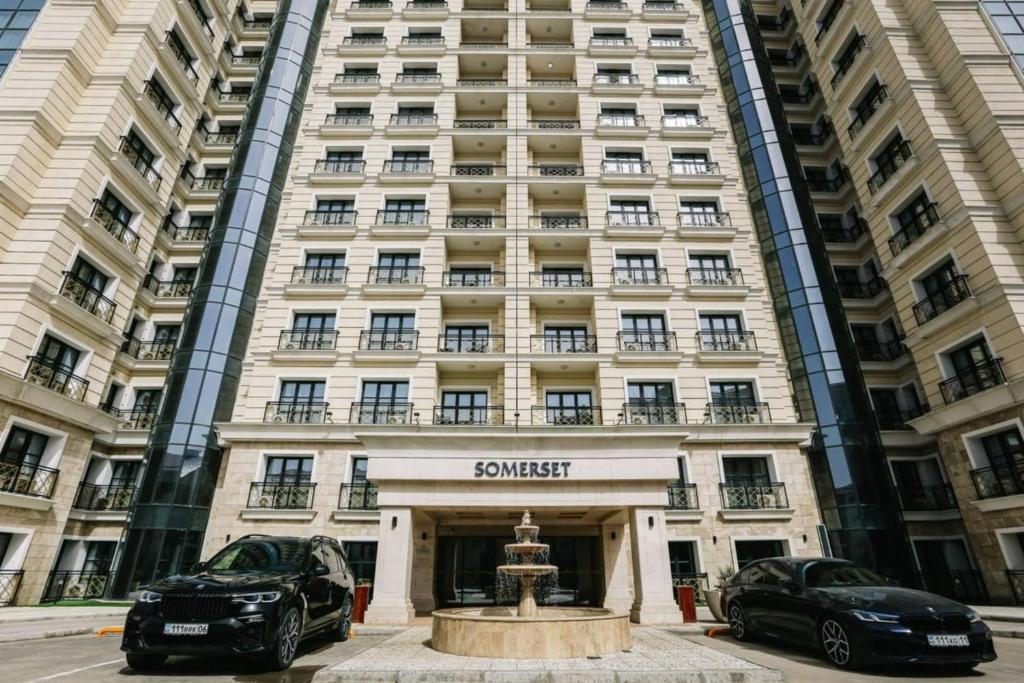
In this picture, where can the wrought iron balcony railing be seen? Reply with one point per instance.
(10, 582)
(897, 419)
(669, 42)
(395, 413)
(937, 303)
(632, 219)
(647, 341)
(365, 41)
(396, 275)
(115, 226)
(970, 381)
(481, 82)
(308, 275)
(384, 340)
(694, 168)
(683, 497)
(754, 495)
(556, 170)
(1001, 480)
(27, 479)
(476, 222)
(423, 41)
(245, 60)
(616, 79)
(200, 15)
(897, 158)
(862, 290)
(139, 163)
(493, 278)
(423, 166)
(565, 82)
(927, 498)
(477, 343)
(611, 41)
(841, 234)
(881, 350)
(478, 170)
(621, 120)
(348, 120)
(207, 183)
(308, 340)
(413, 120)
(85, 296)
(114, 497)
(558, 222)
(738, 413)
(543, 343)
(162, 105)
(480, 124)
(74, 585)
(653, 413)
(690, 220)
(554, 124)
(847, 58)
(1014, 576)
(866, 110)
(629, 168)
(169, 289)
(640, 276)
(47, 374)
(469, 416)
(571, 280)
(142, 418)
(356, 79)
(714, 277)
(727, 341)
(295, 412)
(826, 21)
(402, 217)
(357, 496)
(914, 228)
(330, 217)
(370, 4)
(408, 79)
(338, 166)
(589, 416)
(149, 350)
(269, 495)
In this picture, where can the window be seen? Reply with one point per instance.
(646, 330)
(463, 407)
(398, 260)
(563, 276)
(404, 211)
(699, 213)
(681, 117)
(147, 400)
(650, 393)
(291, 469)
(1008, 18)
(636, 261)
(743, 471)
(358, 475)
(184, 274)
(166, 333)
(690, 163)
(466, 338)
(115, 209)
(98, 556)
(362, 559)
(393, 322)
(710, 262)
(58, 355)
(889, 158)
(720, 322)
(88, 275)
(125, 472)
(409, 161)
(302, 391)
(16, 18)
(668, 75)
(138, 153)
(313, 322)
(733, 393)
(619, 116)
(631, 212)
(566, 339)
(325, 261)
(470, 276)
(624, 162)
(569, 407)
(24, 447)
(385, 392)
(867, 106)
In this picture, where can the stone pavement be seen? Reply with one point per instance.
(659, 654)
(33, 623)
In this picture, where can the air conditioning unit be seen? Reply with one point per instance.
(290, 346)
(639, 420)
(632, 346)
(394, 420)
(623, 280)
(400, 346)
(279, 419)
(265, 501)
(102, 503)
(148, 355)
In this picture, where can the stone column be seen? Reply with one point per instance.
(392, 580)
(652, 576)
(617, 596)
(423, 564)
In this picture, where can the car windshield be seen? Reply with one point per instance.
(840, 575)
(260, 555)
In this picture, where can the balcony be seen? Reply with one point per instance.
(165, 109)
(47, 374)
(361, 43)
(701, 222)
(185, 233)
(205, 183)
(104, 497)
(622, 123)
(866, 110)
(476, 222)
(605, 7)
(558, 222)
(308, 340)
(632, 219)
(274, 496)
(574, 280)
(1000, 481)
(735, 341)
(668, 44)
(245, 60)
(899, 155)
(589, 416)
(27, 480)
(349, 121)
(754, 495)
(840, 234)
(1014, 576)
(200, 16)
(714, 277)
(82, 294)
(357, 496)
(482, 82)
(617, 82)
(690, 171)
(898, 419)
(937, 303)
(565, 82)
(880, 351)
(148, 350)
(862, 290)
(964, 585)
(927, 498)
(120, 230)
(407, 169)
(174, 46)
(167, 290)
(393, 275)
(683, 497)
(642, 277)
(670, 81)
(493, 278)
(370, 9)
(477, 343)
(541, 343)
(555, 170)
(415, 217)
(648, 413)
(480, 416)
(846, 60)
(737, 413)
(356, 82)
(74, 585)
(139, 419)
(480, 124)
(418, 82)
(302, 275)
(647, 342)
(10, 582)
(914, 228)
(828, 19)
(397, 413)
(828, 184)
(621, 170)
(144, 168)
(967, 382)
(240, 96)
(484, 170)
(292, 412)
(554, 124)
(381, 340)
(338, 167)
(329, 218)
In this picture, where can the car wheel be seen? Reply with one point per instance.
(835, 641)
(738, 623)
(340, 632)
(281, 652)
(144, 662)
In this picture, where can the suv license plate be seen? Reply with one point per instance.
(186, 629)
(948, 641)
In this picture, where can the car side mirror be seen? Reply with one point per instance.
(321, 569)
(198, 567)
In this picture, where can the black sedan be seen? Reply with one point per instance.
(853, 615)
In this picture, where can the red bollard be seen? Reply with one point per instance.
(359, 605)
(687, 603)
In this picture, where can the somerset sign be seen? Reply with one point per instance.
(521, 469)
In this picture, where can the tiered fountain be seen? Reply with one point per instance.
(531, 632)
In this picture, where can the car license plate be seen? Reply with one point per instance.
(948, 641)
(186, 629)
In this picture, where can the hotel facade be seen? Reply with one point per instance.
(680, 278)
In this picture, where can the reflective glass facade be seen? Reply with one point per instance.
(16, 18)
(1008, 18)
(165, 531)
(847, 459)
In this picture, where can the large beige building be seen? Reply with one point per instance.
(514, 266)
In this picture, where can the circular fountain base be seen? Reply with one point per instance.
(555, 633)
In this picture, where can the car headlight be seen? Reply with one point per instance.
(255, 598)
(877, 617)
(974, 617)
(149, 597)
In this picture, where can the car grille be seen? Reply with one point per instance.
(937, 623)
(195, 607)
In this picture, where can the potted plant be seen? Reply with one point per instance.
(714, 596)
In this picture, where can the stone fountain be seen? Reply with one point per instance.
(531, 632)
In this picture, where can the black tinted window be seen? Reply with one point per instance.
(837, 575)
(261, 555)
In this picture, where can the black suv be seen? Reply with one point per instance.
(260, 595)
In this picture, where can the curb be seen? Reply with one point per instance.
(1008, 633)
(47, 634)
(30, 618)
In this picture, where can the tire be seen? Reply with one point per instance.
(836, 644)
(282, 649)
(144, 662)
(738, 623)
(341, 630)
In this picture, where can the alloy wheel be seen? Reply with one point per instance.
(737, 623)
(289, 636)
(835, 642)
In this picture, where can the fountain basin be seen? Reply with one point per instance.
(527, 569)
(555, 633)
